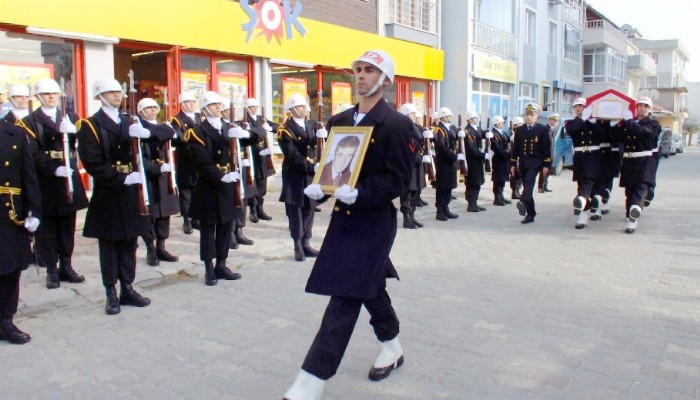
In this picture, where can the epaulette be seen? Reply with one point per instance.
(191, 134)
(283, 131)
(24, 126)
(438, 130)
(176, 121)
(79, 124)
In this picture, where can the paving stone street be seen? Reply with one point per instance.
(489, 309)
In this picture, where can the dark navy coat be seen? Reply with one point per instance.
(354, 258)
(185, 171)
(416, 149)
(638, 136)
(162, 203)
(475, 158)
(501, 156)
(299, 148)
(531, 148)
(445, 157)
(588, 163)
(256, 129)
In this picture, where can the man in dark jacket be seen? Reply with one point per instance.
(410, 199)
(476, 158)
(20, 218)
(19, 98)
(47, 129)
(499, 162)
(185, 171)
(445, 164)
(354, 263)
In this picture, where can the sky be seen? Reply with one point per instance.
(659, 20)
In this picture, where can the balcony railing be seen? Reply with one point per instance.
(495, 39)
(571, 69)
(416, 14)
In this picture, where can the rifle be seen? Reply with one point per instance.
(66, 145)
(270, 164)
(234, 154)
(168, 150)
(319, 125)
(462, 149)
(428, 151)
(30, 102)
(247, 151)
(487, 147)
(142, 200)
(459, 117)
(125, 98)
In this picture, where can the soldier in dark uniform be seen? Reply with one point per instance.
(516, 181)
(354, 263)
(500, 160)
(530, 153)
(21, 199)
(163, 202)
(542, 180)
(588, 161)
(410, 197)
(259, 127)
(612, 161)
(297, 139)
(476, 158)
(445, 164)
(46, 129)
(19, 97)
(185, 171)
(213, 200)
(113, 214)
(638, 173)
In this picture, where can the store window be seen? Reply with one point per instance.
(149, 66)
(232, 76)
(27, 58)
(286, 81)
(338, 89)
(195, 73)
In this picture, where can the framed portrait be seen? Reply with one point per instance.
(342, 157)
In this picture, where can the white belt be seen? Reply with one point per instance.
(637, 154)
(603, 145)
(587, 148)
(615, 148)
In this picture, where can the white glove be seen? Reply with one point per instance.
(265, 152)
(314, 191)
(627, 115)
(346, 194)
(614, 122)
(322, 133)
(231, 177)
(165, 168)
(461, 157)
(67, 127)
(587, 112)
(315, 167)
(245, 162)
(592, 120)
(487, 156)
(427, 134)
(267, 127)
(138, 131)
(133, 178)
(489, 135)
(461, 133)
(63, 172)
(427, 159)
(238, 133)
(31, 224)
(169, 125)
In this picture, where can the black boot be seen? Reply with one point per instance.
(163, 254)
(440, 216)
(151, 256)
(253, 216)
(187, 226)
(221, 271)
(262, 215)
(308, 250)
(52, 279)
(130, 297)
(503, 199)
(422, 202)
(413, 218)
(10, 332)
(194, 223)
(66, 272)
(298, 250)
(408, 222)
(209, 274)
(112, 304)
(233, 244)
(450, 214)
(242, 239)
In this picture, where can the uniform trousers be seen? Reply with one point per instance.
(607, 189)
(185, 194)
(9, 294)
(542, 180)
(529, 177)
(337, 326)
(160, 229)
(55, 238)
(239, 220)
(498, 187)
(471, 194)
(442, 197)
(117, 261)
(214, 241)
(301, 220)
(516, 182)
(258, 199)
(635, 195)
(589, 187)
(408, 201)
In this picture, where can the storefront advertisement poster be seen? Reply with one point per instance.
(239, 83)
(292, 86)
(418, 99)
(195, 82)
(494, 106)
(341, 93)
(24, 74)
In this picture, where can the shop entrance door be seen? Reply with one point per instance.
(150, 66)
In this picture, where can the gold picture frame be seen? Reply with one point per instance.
(345, 150)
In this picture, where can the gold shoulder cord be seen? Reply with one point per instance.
(12, 214)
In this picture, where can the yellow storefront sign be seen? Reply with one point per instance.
(217, 25)
(494, 68)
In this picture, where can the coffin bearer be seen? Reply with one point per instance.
(499, 162)
(113, 216)
(185, 171)
(51, 132)
(18, 220)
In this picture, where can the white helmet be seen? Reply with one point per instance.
(186, 96)
(209, 97)
(645, 100)
(498, 119)
(408, 108)
(145, 103)
(580, 102)
(46, 85)
(444, 112)
(251, 102)
(518, 121)
(381, 60)
(19, 89)
(103, 85)
(472, 114)
(296, 100)
(225, 106)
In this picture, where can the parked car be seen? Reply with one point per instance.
(665, 143)
(677, 143)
